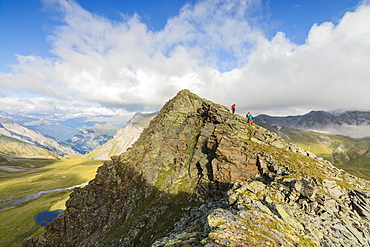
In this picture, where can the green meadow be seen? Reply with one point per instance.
(20, 178)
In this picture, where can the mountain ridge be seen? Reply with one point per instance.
(62, 127)
(15, 148)
(200, 175)
(350, 154)
(22, 133)
(124, 137)
(88, 139)
(355, 124)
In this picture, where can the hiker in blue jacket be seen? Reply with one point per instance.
(250, 118)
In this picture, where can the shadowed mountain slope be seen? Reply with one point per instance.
(201, 176)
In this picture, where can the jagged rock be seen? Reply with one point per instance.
(360, 202)
(201, 176)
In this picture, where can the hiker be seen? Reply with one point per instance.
(250, 118)
(233, 107)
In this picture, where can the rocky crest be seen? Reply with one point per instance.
(201, 176)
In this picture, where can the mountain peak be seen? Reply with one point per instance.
(184, 101)
(197, 175)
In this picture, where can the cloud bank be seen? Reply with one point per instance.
(216, 49)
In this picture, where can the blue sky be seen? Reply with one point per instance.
(109, 56)
(25, 25)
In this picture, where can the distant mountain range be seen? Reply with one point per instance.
(17, 131)
(124, 138)
(103, 139)
(88, 139)
(62, 127)
(75, 135)
(354, 124)
(11, 147)
(328, 135)
(91, 141)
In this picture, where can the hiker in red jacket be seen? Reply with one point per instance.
(233, 107)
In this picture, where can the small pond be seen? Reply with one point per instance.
(45, 217)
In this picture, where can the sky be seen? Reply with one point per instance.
(276, 57)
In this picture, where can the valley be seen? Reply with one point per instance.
(20, 177)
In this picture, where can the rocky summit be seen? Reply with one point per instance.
(201, 176)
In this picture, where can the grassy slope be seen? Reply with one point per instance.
(45, 175)
(110, 147)
(15, 147)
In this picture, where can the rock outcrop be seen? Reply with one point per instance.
(201, 176)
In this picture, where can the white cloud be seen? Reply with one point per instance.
(329, 72)
(125, 65)
(50, 105)
(40, 104)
